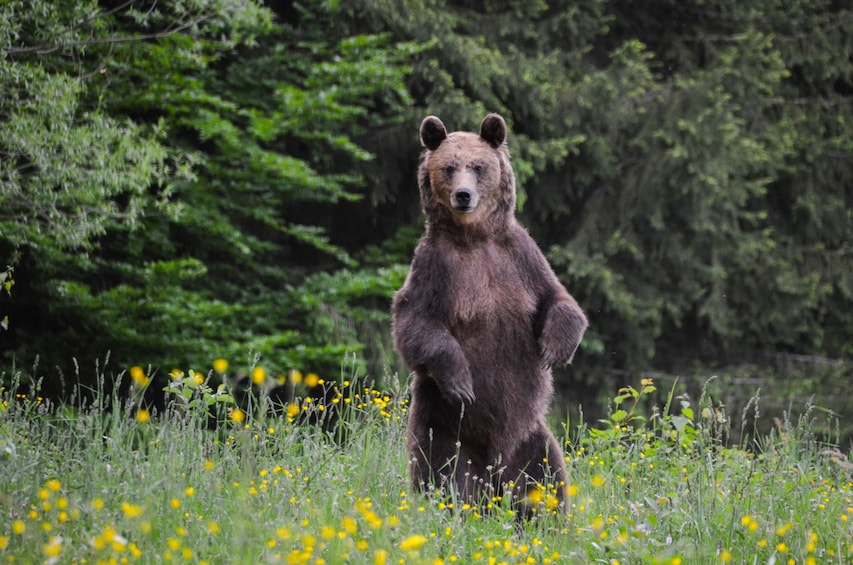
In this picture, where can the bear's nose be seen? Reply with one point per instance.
(463, 197)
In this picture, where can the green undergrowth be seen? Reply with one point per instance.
(216, 477)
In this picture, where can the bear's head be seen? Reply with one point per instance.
(465, 179)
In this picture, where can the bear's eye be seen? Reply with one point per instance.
(478, 169)
(449, 170)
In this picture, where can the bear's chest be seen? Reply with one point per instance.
(486, 284)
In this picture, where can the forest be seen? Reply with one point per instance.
(233, 179)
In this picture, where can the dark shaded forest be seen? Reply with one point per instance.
(181, 182)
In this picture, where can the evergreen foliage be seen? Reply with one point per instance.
(263, 141)
(214, 178)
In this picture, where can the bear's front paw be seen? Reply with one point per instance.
(562, 333)
(460, 390)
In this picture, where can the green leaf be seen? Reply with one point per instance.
(681, 423)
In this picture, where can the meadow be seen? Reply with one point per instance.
(209, 478)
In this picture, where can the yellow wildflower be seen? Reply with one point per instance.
(259, 375)
(534, 496)
(551, 502)
(349, 525)
(311, 380)
(292, 410)
(220, 365)
(413, 542)
(53, 547)
(138, 376)
(143, 416)
(130, 510)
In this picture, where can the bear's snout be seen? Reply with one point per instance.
(463, 199)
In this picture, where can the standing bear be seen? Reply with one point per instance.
(480, 319)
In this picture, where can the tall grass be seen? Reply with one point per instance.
(202, 481)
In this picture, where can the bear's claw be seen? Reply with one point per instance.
(460, 392)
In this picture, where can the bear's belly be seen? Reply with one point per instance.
(511, 386)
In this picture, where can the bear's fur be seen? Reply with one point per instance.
(480, 320)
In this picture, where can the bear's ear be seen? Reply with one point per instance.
(493, 130)
(433, 132)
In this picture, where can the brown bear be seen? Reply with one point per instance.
(480, 319)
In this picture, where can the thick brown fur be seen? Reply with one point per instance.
(480, 320)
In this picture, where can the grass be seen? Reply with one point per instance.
(110, 481)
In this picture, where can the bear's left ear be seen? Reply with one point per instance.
(493, 130)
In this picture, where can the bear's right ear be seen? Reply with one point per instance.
(433, 132)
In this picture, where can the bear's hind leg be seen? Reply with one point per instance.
(446, 465)
(538, 472)
(432, 463)
(474, 481)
